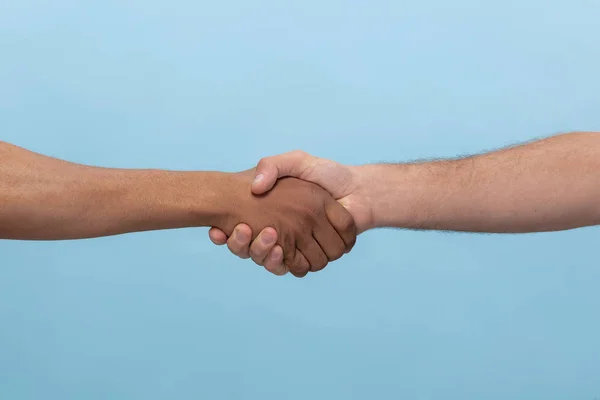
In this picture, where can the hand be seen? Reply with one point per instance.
(312, 227)
(344, 183)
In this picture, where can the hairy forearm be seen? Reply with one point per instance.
(548, 185)
(43, 198)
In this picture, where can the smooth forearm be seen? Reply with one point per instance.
(549, 185)
(42, 198)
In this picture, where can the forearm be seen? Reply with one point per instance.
(549, 185)
(43, 198)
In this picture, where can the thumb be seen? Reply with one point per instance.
(270, 169)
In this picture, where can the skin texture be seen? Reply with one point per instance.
(44, 198)
(546, 185)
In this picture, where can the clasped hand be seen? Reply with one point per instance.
(310, 227)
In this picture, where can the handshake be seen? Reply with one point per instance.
(299, 213)
(295, 212)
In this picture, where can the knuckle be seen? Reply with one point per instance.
(312, 212)
(299, 153)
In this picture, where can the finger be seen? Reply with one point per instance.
(262, 245)
(274, 262)
(239, 242)
(343, 223)
(217, 236)
(330, 241)
(314, 254)
(297, 264)
(270, 169)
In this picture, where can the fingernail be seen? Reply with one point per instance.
(240, 237)
(268, 239)
(259, 178)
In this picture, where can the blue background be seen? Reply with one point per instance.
(217, 85)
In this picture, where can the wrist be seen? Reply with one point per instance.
(361, 204)
(207, 198)
(395, 194)
(173, 199)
